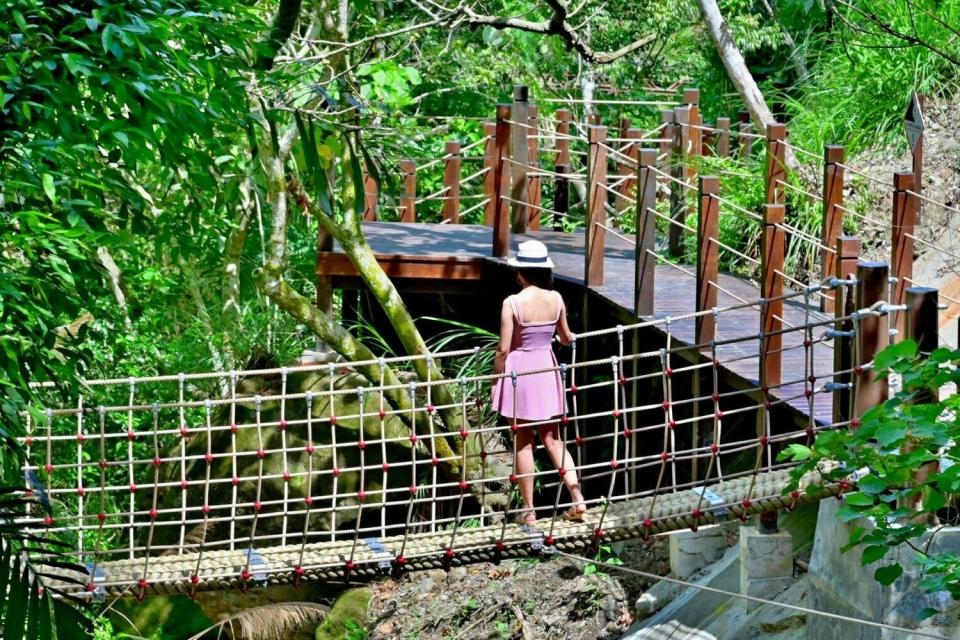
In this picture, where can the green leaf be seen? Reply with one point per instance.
(4, 573)
(858, 499)
(49, 188)
(873, 553)
(871, 484)
(17, 611)
(891, 433)
(795, 453)
(926, 612)
(887, 575)
(33, 611)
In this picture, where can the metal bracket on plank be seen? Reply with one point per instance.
(258, 566)
(97, 577)
(718, 511)
(536, 537)
(384, 558)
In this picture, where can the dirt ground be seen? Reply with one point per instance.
(518, 599)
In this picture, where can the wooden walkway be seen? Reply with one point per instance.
(423, 250)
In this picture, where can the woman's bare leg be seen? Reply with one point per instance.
(524, 466)
(562, 459)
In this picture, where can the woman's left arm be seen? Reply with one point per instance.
(563, 329)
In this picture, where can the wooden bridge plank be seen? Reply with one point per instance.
(467, 247)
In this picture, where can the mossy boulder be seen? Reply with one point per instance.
(350, 609)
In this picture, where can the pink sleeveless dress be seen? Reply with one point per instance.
(539, 396)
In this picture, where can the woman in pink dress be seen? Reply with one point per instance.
(528, 322)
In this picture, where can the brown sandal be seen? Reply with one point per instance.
(574, 513)
(526, 518)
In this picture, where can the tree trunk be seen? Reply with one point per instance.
(738, 73)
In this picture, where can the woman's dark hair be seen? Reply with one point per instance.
(537, 276)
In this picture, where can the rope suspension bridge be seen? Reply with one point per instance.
(193, 482)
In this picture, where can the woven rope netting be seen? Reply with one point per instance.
(223, 479)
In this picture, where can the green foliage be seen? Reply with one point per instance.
(606, 555)
(864, 76)
(918, 426)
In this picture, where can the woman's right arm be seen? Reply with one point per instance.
(506, 337)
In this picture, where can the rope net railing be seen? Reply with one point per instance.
(185, 482)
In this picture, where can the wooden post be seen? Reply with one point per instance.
(501, 184)
(832, 215)
(593, 119)
(744, 143)
(691, 99)
(776, 167)
(679, 170)
(664, 146)
(723, 138)
(534, 182)
(873, 279)
(596, 199)
(646, 240)
(561, 196)
(707, 146)
(324, 281)
(708, 222)
(923, 312)
(451, 180)
(917, 157)
(520, 165)
(771, 267)
(627, 188)
(848, 255)
(902, 232)
(371, 192)
(563, 142)
(490, 177)
(408, 206)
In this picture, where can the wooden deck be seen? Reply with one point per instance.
(462, 252)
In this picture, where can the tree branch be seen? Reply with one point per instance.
(280, 29)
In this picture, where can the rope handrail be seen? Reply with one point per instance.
(639, 103)
(946, 207)
(802, 151)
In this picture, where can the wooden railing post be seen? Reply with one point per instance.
(596, 199)
(646, 240)
(832, 216)
(490, 177)
(561, 196)
(902, 245)
(451, 180)
(744, 143)
(534, 182)
(519, 153)
(723, 138)
(563, 141)
(771, 267)
(923, 327)
(707, 148)
(371, 192)
(625, 191)
(593, 119)
(873, 280)
(776, 167)
(848, 255)
(501, 184)
(679, 169)
(708, 227)
(408, 206)
(691, 99)
(665, 145)
(917, 161)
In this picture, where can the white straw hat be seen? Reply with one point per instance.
(531, 254)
